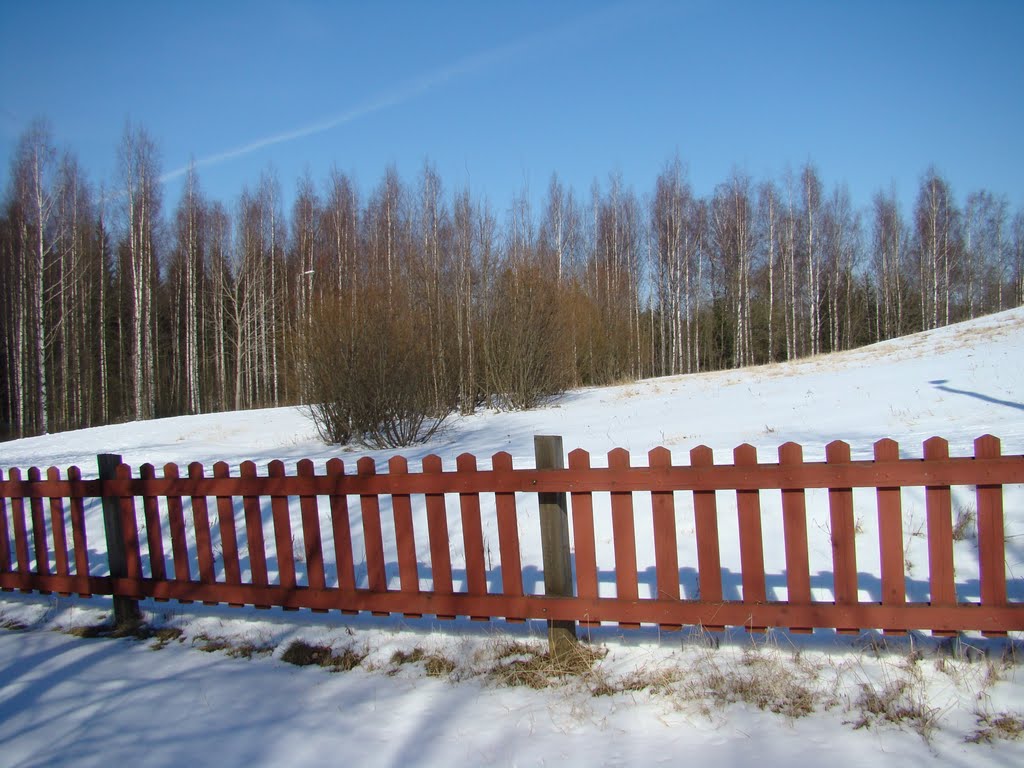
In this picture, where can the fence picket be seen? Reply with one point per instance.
(228, 534)
(890, 535)
(583, 537)
(709, 559)
(342, 529)
(313, 548)
(666, 551)
(42, 552)
(201, 526)
(991, 533)
(437, 531)
(129, 528)
(373, 538)
(20, 526)
(794, 531)
(255, 545)
(58, 525)
(5, 536)
(78, 537)
(283, 543)
(154, 536)
(623, 535)
(748, 510)
(472, 534)
(176, 525)
(940, 532)
(508, 534)
(843, 534)
(405, 535)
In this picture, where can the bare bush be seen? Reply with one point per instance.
(371, 377)
(527, 353)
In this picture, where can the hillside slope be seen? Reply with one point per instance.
(958, 382)
(766, 700)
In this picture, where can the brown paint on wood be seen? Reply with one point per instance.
(508, 534)
(254, 541)
(176, 524)
(890, 535)
(991, 532)
(437, 530)
(709, 563)
(311, 536)
(283, 543)
(372, 535)
(58, 526)
(583, 536)
(405, 535)
(794, 531)
(154, 535)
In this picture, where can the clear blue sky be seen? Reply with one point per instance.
(500, 95)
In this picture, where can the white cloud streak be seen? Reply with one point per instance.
(399, 95)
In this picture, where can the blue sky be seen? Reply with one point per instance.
(500, 95)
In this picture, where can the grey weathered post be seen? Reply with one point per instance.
(554, 537)
(126, 610)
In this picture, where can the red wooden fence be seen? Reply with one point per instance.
(35, 515)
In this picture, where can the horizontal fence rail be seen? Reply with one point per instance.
(358, 540)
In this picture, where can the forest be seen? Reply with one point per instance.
(387, 310)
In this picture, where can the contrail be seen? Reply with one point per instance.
(404, 92)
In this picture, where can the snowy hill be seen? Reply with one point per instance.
(957, 382)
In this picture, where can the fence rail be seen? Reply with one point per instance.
(44, 547)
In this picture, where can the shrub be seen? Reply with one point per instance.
(527, 350)
(372, 378)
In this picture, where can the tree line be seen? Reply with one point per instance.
(387, 310)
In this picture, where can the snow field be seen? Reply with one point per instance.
(739, 699)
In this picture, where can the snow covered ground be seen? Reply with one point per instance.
(653, 698)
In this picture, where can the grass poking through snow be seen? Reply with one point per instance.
(303, 654)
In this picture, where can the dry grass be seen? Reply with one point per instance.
(233, 649)
(769, 680)
(899, 699)
(303, 654)
(162, 635)
(249, 650)
(992, 728)
(657, 680)
(434, 664)
(965, 527)
(521, 664)
(208, 644)
(897, 702)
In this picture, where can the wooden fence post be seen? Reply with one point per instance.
(554, 537)
(126, 610)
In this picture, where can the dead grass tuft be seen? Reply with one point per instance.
(519, 664)
(896, 702)
(209, 644)
(439, 666)
(965, 527)
(992, 728)
(162, 635)
(434, 664)
(303, 654)
(769, 682)
(249, 650)
(657, 680)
